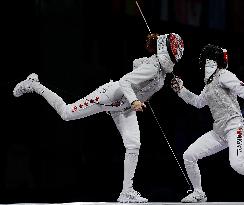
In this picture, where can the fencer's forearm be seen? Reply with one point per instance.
(127, 90)
(191, 98)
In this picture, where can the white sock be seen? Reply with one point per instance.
(194, 175)
(130, 163)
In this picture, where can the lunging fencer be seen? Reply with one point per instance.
(122, 99)
(220, 93)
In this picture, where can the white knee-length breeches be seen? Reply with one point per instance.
(107, 98)
(210, 143)
(128, 126)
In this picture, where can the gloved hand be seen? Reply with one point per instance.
(176, 84)
(138, 105)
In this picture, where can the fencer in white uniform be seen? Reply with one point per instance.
(121, 99)
(220, 94)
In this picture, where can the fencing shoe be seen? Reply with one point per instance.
(194, 197)
(131, 196)
(26, 86)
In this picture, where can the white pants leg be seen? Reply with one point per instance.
(91, 104)
(128, 127)
(236, 149)
(204, 146)
(127, 124)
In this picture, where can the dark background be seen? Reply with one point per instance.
(75, 46)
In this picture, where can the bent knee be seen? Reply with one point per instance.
(189, 156)
(238, 167)
(132, 143)
(65, 115)
(131, 140)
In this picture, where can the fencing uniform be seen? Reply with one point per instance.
(147, 77)
(221, 97)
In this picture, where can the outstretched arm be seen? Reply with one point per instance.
(198, 101)
(230, 81)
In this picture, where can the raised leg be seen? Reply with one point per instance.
(80, 109)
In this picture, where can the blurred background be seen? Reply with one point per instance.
(76, 46)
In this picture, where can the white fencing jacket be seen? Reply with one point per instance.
(147, 77)
(221, 97)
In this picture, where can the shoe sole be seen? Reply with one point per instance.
(200, 201)
(131, 201)
(32, 76)
(140, 202)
